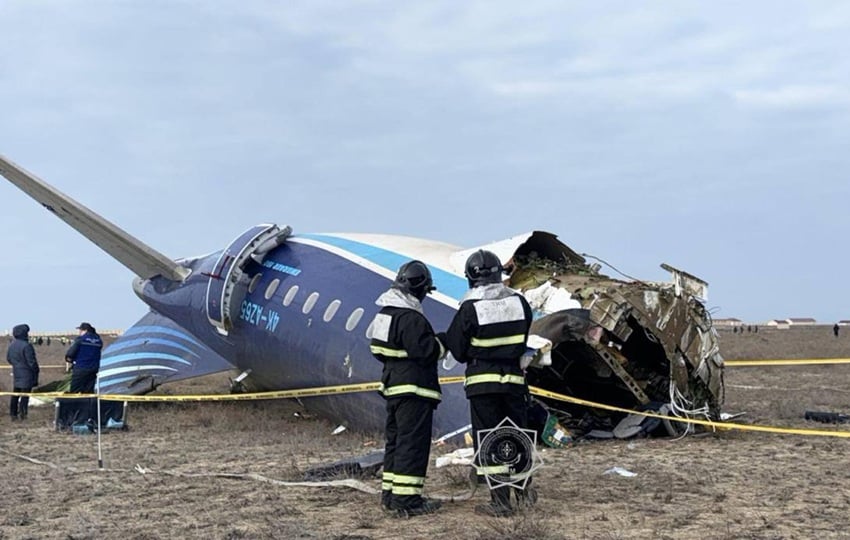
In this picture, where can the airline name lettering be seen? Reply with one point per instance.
(280, 267)
(258, 316)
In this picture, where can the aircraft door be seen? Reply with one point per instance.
(254, 243)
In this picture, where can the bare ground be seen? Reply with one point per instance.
(729, 484)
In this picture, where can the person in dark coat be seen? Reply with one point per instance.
(403, 340)
(488, 334)
(84, 356)
(21, 355)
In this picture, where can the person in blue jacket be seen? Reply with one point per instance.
(84, 356)
(21, 354)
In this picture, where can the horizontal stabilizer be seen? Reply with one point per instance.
(155, 350)
(142, 259)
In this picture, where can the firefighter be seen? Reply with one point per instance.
(488, 334)
(404, 341)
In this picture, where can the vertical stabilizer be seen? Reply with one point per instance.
(142, 259)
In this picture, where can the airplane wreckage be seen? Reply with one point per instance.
(291, 311)
(631, 344)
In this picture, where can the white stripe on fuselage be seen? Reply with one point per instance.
(426, 257)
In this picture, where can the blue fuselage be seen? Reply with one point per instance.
(301, 321)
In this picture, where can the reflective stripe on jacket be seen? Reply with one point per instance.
(403, 340)
(489, 335)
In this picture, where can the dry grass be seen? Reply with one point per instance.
(726, 485)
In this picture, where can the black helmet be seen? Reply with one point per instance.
(414, 278)
(483, 267)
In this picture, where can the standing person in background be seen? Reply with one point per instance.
(84, 356)
(835, 329)
(21, 355)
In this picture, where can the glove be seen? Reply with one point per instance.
(449, 361)
(441, 339)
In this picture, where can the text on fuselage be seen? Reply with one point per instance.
(280, 267)
(258, 316)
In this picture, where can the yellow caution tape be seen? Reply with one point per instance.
(40, 366)
(277, 394)
(787, 362)
(714, 425)
(274, 394)
(373, 386)
(734, 363)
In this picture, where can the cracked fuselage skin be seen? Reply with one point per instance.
(654, 334)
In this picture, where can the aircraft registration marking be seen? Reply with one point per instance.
(258, 316)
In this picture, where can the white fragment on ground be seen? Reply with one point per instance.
(620, 471)
(461, 456)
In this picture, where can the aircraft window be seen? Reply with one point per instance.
(311, 301)
(331, 311)
(290, 295)
(270, 290)
(254, 282)
(354, 319)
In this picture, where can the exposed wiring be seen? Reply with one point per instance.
(612, 267)
(683, 407)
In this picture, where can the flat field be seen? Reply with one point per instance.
(199, 470)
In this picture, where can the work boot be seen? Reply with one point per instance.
(499, 505)
(419, 508)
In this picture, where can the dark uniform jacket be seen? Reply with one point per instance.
(488, 334)
(404, 341)
(21, 354)
(85, 351)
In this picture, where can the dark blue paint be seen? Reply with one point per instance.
(302, 350)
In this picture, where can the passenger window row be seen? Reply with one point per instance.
(350, 324)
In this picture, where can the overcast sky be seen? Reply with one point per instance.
(713, 136)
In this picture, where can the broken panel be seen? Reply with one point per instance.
(632, 344)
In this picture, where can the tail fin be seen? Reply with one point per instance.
(142, 259)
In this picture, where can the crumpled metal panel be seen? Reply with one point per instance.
(659, 331)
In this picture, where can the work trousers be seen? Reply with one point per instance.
(19, 405)
(408, 444)
(487, 411)
(82, 380)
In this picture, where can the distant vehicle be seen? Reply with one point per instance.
(292, 311)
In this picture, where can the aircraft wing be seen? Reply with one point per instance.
(153, 351)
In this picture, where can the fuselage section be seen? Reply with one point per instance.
(302, 317)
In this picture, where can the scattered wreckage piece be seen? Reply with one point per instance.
(827, 417)
(632, 344)
(365, 466)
